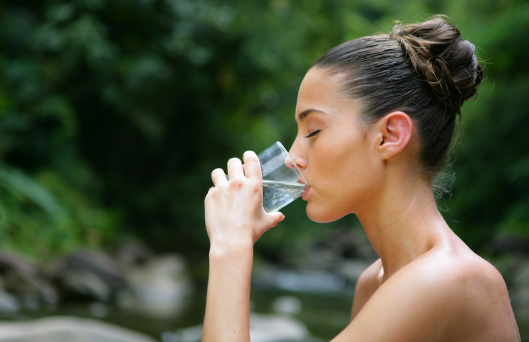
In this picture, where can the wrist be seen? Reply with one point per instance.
(238, 249)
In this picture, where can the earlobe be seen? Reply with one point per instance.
(396, 130)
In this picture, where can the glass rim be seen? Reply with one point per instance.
(292, 160)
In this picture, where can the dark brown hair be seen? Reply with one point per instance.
(425, 70)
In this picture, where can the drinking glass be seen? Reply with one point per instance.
(283, 182)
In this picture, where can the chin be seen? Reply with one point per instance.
(323, 214)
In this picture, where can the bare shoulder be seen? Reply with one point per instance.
(366, 285)
(470, 292)
(470, 285)
(445, 295)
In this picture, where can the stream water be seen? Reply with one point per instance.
(324, 315)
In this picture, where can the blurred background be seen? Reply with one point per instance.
(114, 113)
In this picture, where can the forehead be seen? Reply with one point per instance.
(322, 91)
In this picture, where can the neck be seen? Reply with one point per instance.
(403, 222)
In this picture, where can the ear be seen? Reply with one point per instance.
(395, 132)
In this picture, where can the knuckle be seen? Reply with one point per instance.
(255, 187)
(236, 184)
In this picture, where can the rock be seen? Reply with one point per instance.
(10, 262)
(67, 329)
(357, 239)
(86, 284)
(31, 301)
(348, 243)
(288, 305)
(264, 275)
(304, 280)
(274, 328)
(99, 310)
(26, 281)
(49, 295)
(8, 304)
(520, 303)
(351, 269)
(309, 281)
(191, 334)
(263, 328)
(89, 274)
(519, 291)
(20, 276)
(321, 258)
(133, 252)
(159, 288)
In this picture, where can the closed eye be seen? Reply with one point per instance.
(313, 133)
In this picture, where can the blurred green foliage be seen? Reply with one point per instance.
(113, 113)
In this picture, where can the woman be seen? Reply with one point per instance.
(375, 117)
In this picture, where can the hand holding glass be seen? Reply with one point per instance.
(283, 182)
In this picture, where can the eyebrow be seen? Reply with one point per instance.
(306, 112)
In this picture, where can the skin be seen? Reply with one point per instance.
(426, 286)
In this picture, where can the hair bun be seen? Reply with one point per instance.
(442, 58)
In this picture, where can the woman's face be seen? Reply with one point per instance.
(339, 158)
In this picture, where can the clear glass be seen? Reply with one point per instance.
(283, 182)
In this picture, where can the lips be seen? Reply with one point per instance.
(305, 194)
(306, 188)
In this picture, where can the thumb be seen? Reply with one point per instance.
(275, 218)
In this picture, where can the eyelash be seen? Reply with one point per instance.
(313, 133)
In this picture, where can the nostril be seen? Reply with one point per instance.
(295, 162)
(289, 162)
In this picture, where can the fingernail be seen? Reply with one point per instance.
(250, 152)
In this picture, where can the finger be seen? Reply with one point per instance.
(235, 168)
(218, 176)
(252, 166)
(228, 177)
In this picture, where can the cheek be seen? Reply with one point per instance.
(343, 172)
(341, 159)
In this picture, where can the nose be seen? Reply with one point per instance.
(296, 152)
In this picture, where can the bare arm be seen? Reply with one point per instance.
(228, 297)
(365, 287)
(235, 219)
